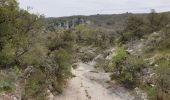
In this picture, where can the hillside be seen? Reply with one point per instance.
(111, 22)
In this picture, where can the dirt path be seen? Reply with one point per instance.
(91, 85)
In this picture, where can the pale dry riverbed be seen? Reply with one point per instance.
(91, 85)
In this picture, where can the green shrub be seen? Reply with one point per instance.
(127, 36)
(7, 54)
(132, 71)
(61, 70)
(6, 82)
(25, 43)
(5, 85)
(151, 92)
(17, 70)
(127, 68)
(35, 56)
(163, 78)
(118, 59)
(63, 60)
(35, 86)
(120, 55)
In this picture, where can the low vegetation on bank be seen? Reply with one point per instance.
(147, 66)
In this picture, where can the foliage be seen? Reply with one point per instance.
(60, 39)
(17, 70)
(127, 68)
(62, 59)
(97, 37)
(120, 55)
(156, 21)
(7, 81)
(5, 85)
(160, 90)
(35, 86)
(25, 44)
(163, 78)
(134, 25)
(35, 56)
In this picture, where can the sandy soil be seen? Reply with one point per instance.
(91, 85)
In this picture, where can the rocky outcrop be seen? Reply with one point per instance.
(67, 23)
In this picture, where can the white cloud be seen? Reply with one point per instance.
(86, 7)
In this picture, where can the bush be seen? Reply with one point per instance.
(35, 56)
(118, 59)
(134, 28)
(120, 55)
(163, 78)
(7, 81)
(7, 55)
(127, 68)
(133, 71)
(60, 71)
(5, 85)
(151, 92)
(63, 61)
(35, 86)
(38, 58)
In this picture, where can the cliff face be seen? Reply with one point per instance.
(66, 23)
(72, 23)
(113, 22)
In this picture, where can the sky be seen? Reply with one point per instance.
(58, 8)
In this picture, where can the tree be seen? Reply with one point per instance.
(40, 60)
(134, 28)
(18, 30)
(156, 21)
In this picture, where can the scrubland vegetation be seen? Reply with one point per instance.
(147, 68)
(38, 60)
(36, 57)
